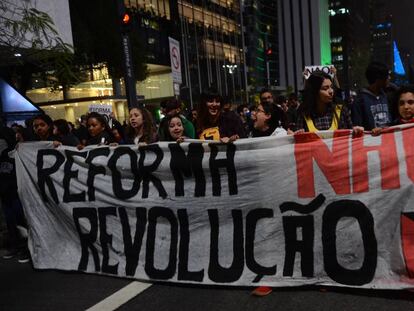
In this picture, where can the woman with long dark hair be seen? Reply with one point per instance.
(319, 111)
(215, 124)
(141, 127)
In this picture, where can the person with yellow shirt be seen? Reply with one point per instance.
(213, 123)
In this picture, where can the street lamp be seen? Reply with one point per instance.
(231, 68)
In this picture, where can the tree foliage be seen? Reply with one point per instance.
(30, 43)
(31, 34)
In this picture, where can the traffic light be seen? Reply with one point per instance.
(126, 23)
(268, 51)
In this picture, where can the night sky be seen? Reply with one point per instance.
(403, 17)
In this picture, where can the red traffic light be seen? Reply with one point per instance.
(269, 51)
(126, 19)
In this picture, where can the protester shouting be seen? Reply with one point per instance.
(268, 120)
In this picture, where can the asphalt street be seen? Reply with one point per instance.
(24, 288)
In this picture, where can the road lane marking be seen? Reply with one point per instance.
(120, 297)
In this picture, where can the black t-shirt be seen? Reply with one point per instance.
(81, 133)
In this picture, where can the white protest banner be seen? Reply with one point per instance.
(328, 69)
(325, 209)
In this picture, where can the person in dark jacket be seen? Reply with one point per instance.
(82, 131)
(43, 128)
(62, 132)
(371, 107)
(9, 199)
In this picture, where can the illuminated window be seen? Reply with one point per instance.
(222, 51)
(157, 7)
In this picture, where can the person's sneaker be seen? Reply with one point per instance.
(10, 253)
(262, 291)
(23, 256)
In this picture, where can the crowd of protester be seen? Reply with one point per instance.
(322, 107)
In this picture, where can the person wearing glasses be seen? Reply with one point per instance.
(268, 120)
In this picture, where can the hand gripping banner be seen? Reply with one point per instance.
(308, 209)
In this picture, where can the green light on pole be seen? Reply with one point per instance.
(326, 57)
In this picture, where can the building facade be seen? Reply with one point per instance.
(304, 39)
(382, 32)
(262, 44)
(350, 37)
(211, 45)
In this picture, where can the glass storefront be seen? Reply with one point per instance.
(157, 86)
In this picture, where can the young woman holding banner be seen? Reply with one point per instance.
(319, 111)
(215, 124)
(141, 127)
(174, 129)
(268, 120)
